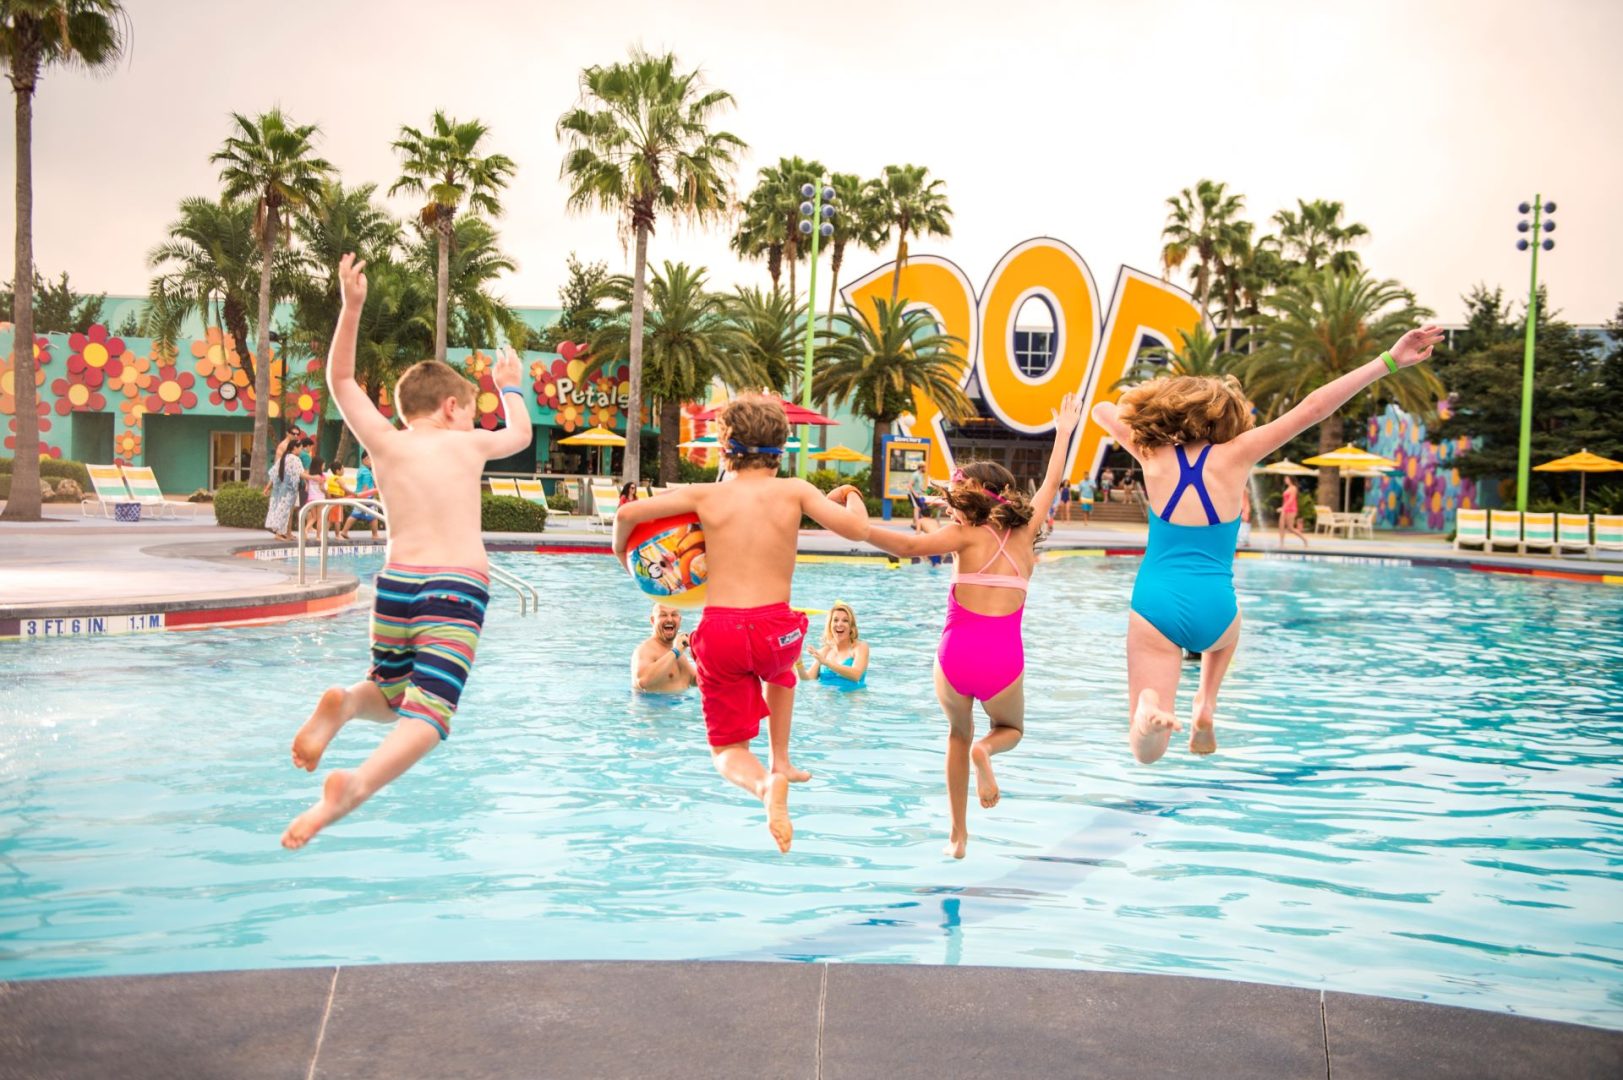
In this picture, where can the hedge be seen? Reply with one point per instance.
(241, 506)
(504, 513)
(54, 469)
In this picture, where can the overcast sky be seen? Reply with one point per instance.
(1429, 120)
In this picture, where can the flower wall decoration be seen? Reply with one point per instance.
(172, 392)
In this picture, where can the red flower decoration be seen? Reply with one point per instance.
(44, 412)
(172, 391)
(488, 402)
(304, 406)
(75, 396)
(96, 357)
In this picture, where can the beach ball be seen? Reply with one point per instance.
(666, 559)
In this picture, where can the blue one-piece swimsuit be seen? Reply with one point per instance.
(1185, 586)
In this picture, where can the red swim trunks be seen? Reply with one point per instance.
(736, 650)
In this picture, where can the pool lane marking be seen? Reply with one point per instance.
(852, 560)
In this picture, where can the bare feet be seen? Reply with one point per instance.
(337, 799)
(985, 782)
(1152, 728)
(1202, 732)
(776, 799)
(796, 776)
(311, 741)
(956, 844)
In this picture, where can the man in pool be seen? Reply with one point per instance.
(661, 665)
(749, 636)
(430, 596)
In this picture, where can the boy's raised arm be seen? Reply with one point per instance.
(1105, 414)
(1412, 348)
(516, 435)
(363, 418)
(842, 512)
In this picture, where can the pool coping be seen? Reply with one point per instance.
(725, 1019)
(287, 599)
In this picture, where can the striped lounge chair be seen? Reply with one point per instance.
(1504, 529)
(1538, 531)
(1470, 528)
(1571, 531)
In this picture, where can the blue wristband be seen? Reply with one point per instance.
(519, 390)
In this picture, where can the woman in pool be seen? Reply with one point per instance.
(841, 659)
(982, 657)
(1193, 435)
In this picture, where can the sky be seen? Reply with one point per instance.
(1429, 119)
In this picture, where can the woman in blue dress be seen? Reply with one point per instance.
(841, 659)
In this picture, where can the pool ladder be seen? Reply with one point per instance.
(528, 599)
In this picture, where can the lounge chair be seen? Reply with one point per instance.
(1538, 531)
(504, 487)
(1571, 531)
(108, 483)
(1608, 533)
(530, 488)
(143, 484)
(605, 501)
(1471, 527)
(1504, 528)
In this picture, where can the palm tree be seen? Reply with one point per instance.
(445, 166)
(760, 233)
(272, 160)
(688, 342)
(639, 143)
(1315, 236)
(859, 219)
(913, 206)
(769, 336)
(35, 35)
(397, 324)
(877, 367)
(1203, 222)
(1197, 354)
(480, 318)
(209, 264)
(1319, 328)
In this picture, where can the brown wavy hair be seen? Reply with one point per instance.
(754, 420)
(1185, 409)
(1010, 509)
(426, 384)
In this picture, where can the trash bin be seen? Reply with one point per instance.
(127, 511)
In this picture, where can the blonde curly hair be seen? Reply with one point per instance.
(1185, 409)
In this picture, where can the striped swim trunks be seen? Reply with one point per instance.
(425, 628)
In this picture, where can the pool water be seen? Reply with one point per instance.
(1418, 794)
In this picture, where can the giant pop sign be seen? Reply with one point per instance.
(1092, 350)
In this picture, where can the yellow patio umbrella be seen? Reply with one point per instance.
(839, 453)
(1286, 467)
(597, 436)
(1582, 463)
(1350, 459)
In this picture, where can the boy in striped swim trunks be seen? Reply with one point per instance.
(432, 591)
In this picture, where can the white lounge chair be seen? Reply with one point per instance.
(1538, 531)
(605, 501)
(143, 485)
(1504, 529)
(504, 486)
(1571, 531)
(108, 483)
(1471, 527)
(1363, 522)
(530, 488)
(1608, 533)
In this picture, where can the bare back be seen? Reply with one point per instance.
(980, 547)
(429, 481)
(1226, 472)
(751, 531)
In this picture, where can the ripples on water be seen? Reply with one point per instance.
(1417, 794)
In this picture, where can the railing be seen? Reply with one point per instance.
(528, 598)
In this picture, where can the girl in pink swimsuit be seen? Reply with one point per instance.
(982, 657)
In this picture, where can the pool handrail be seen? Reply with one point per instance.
(528, 598)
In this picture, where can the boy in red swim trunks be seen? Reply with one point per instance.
(749, 635)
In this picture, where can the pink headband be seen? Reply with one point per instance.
(958, 477)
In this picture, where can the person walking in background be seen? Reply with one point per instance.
(1084, 498)
(1288, 520)
(283, 485)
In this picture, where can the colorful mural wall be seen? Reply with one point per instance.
(1431, 488)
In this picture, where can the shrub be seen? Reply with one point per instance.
(241, 506)
(689, 473)
(504, 513)
(561, 502)
(825, 480)
(53, 469)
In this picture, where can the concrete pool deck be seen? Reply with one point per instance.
(717, 1020)
(189, 574)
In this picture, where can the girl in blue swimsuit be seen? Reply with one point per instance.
(1195, 439)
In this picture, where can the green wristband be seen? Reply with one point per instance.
(1391, 364)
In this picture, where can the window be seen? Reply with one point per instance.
(1034, 337)
(229, 455)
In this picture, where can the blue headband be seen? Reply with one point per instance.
(736, 447)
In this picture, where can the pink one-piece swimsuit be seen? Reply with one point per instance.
(982, 655)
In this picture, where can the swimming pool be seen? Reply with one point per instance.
(1418, 795)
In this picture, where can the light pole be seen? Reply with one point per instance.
(1524, 452)
(817, 222)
